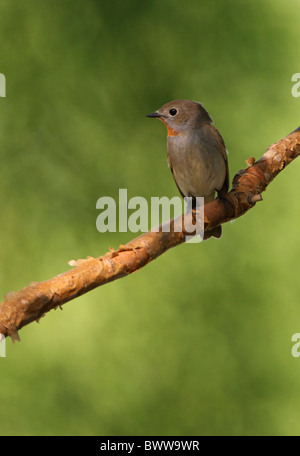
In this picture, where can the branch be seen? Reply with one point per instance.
(31, 303)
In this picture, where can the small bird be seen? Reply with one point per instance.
(197, 155)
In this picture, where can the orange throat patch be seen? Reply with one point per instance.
(171, 131)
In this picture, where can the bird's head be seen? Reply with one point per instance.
(182, 115)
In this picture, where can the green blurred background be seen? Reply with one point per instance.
(199, 341)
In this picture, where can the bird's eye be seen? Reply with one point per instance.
(173, 112)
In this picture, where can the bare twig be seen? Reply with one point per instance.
(31, 303)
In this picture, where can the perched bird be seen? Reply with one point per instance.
(197, 154)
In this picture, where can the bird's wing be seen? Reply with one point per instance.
(224, 153)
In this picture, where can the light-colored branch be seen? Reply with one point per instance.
(31, 303)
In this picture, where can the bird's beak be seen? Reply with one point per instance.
(154, 114)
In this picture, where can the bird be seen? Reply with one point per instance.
(197, 155)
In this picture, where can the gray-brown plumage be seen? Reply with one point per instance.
(197, 154)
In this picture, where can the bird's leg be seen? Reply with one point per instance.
(194, 208)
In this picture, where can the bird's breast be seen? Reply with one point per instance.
(197, 163)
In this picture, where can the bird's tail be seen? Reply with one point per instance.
(216, 232)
